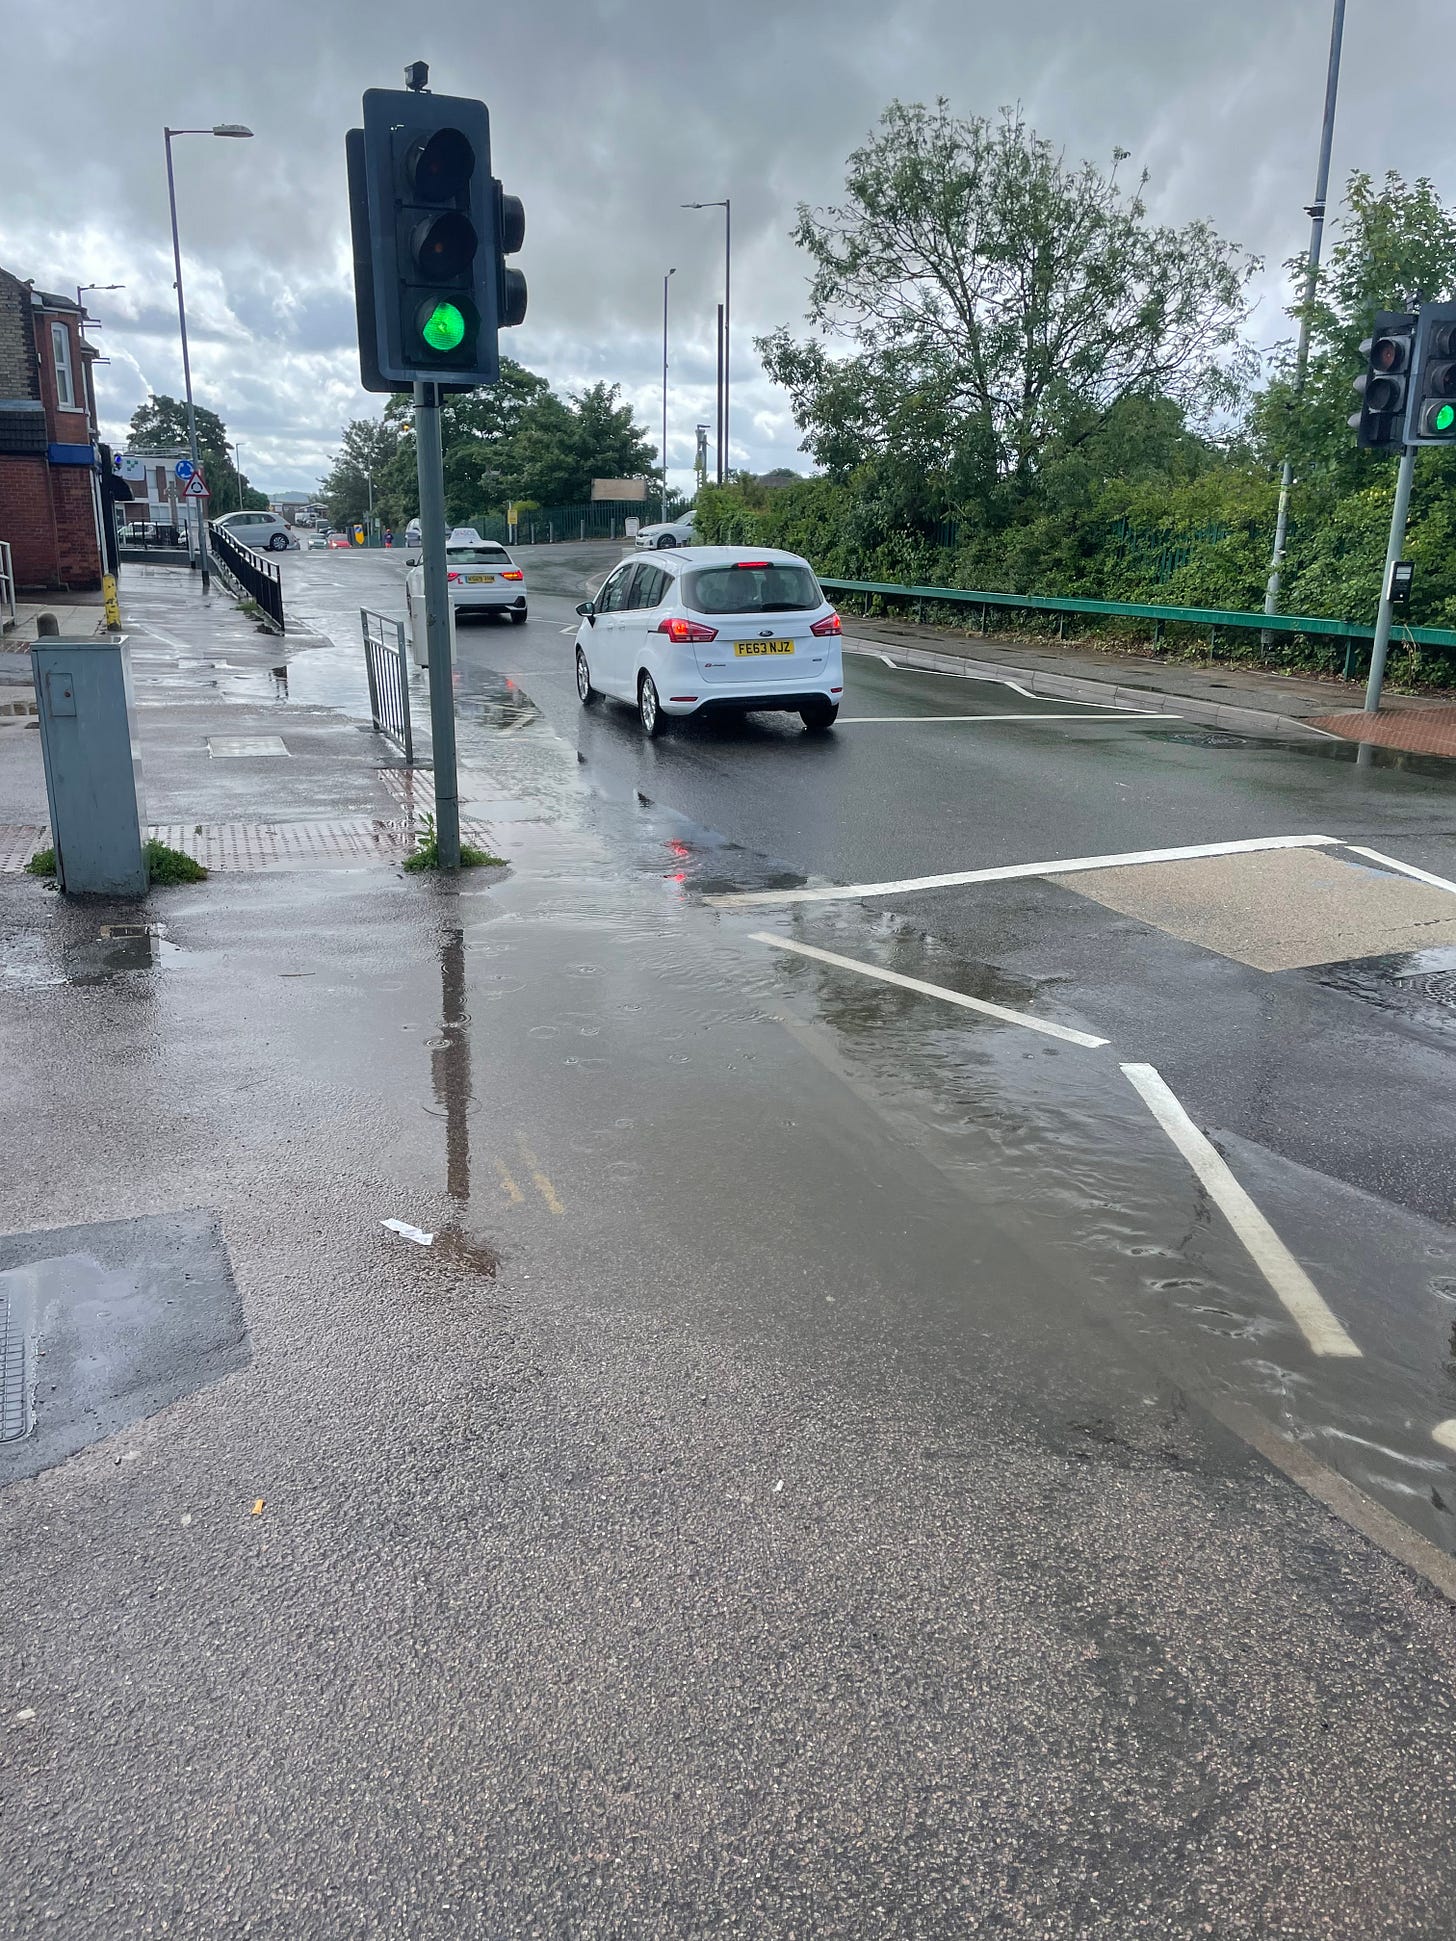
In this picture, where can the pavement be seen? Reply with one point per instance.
(839, 1465)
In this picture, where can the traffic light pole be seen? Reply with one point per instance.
(430, 461)
(1393, 551)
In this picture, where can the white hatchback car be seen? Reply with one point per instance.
(712, 629)
(482, 577)
(670, 533)
(263, 531)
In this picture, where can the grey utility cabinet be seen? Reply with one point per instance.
(92, 764)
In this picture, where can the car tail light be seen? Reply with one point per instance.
(680, 630)
(516, 575)
(751, 565)
(829, 625)
(452, 576)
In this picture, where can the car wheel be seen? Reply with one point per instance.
(819, 715)
(518, 614)
(586, 693)
(649, 709)
(278, 543)
(665, 541)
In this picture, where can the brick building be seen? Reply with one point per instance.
(50, 496)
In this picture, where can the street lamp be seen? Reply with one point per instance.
(236, 130)
(671, 272)
(238, 468)
(726, 206)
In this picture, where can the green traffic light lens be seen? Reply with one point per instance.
(444, 327)
(1446, 418)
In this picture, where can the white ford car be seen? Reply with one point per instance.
(712, 629)
(481, 576)
(666, 535)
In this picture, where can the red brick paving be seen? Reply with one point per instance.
(1425, 731)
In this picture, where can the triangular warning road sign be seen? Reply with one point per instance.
(195, 488)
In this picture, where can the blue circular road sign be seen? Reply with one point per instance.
(183, 468)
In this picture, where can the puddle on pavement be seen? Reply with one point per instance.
(117, 949)
(1055, 1145)
(1417, 985)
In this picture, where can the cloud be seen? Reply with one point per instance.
(604, 120)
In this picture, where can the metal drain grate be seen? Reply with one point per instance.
(17, 1370)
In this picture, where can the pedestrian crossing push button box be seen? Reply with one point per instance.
(92, 764)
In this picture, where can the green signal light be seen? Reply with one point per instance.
(1445, 419)
(444, 327)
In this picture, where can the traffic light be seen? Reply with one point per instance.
(1432, 419)
(1379, 424)
(431, 230)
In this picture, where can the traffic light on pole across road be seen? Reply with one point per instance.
(1432, 416)
(432, 229)
(1379, 424)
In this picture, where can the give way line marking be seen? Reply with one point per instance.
(1065, 1032)
(1063, 720)
(1294, 1288)
(846, 892)
(1406, 869)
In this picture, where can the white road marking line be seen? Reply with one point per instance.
(1074, 720)
(167, 640)
(1445, 1433)
(833, 892)
(1062, 1031)
(1406, 869)
(567, 630)
(1303, 1300)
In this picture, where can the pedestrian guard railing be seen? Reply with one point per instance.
(7, 585)
(387, 666)
(1215, 620)
(255, 577)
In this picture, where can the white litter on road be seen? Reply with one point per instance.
(410, 1233)
(1303, 1300)
(1065, 1032)
(904, 885)
(1445, 1433)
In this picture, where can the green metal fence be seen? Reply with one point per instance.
(548, 524)
(1351, 635)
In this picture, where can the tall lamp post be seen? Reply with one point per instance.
(671, 272)
(236, 130)
(1316, 214)
(726, 205)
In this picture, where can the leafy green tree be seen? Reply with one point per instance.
(997, 300)
(160, 425)
(362, 466)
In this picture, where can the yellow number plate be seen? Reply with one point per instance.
(746, 648)
(480, 579)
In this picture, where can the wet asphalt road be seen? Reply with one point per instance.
(786, 1501)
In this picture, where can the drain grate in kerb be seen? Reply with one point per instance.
(17, 1369)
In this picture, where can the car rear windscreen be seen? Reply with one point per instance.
(751, 589)
(477, 556)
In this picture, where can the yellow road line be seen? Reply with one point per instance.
(538, 1178)
(512, 1192)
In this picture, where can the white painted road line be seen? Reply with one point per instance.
(1406, 869)
(1066, 720)
(1300, 1296)
(1062, 1031)
(901, 886)
(1445, 1433)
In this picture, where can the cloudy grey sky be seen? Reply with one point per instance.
(605, 117)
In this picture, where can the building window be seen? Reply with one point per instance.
(61, 351)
